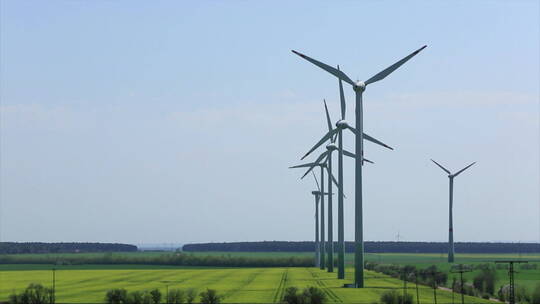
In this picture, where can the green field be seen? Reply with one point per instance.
(88, 283)
(238, 285)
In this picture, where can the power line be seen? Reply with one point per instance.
(461, 269)
(511, 276)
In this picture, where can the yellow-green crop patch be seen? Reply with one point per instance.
(238, 285)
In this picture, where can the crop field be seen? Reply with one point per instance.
(238, 285)
(88, 283)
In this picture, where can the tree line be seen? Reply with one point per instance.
(38, 294)
(176, 259)
(37, 247)
(370, 247)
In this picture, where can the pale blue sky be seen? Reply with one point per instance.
(162, 121)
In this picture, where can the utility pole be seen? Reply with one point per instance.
(461, 270)
(53, 296)
(512, 296)
(453, 284)
(416, 282)
(404, 283)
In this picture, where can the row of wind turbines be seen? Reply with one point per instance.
(324, 162)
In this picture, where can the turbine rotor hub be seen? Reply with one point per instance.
(360, 86)
(315, 192)
(342, 124)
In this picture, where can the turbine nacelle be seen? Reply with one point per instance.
(331, 147)
(359, 86)
(342, 124)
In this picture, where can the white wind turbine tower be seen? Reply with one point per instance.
(359, 87)
(450, 216)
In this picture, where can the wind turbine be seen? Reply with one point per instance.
(325, 160)
(450, 217)
(317, 194)
(340, 126)
(323, 165)
(359, 87)
(330, 148)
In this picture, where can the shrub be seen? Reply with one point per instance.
(485, 280)
(407, 299)
(155, 294)
(313, 295)
(135, 297)
(116, 296)
(210, 296)
(33, 294)
(176, 296)
(394, 297)
(291, 296)
(310, 295)
(535, 297)
(191, 294)
(522, 295)
(390, 297)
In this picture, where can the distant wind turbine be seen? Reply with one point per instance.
(450, 219)
(321, 188)
(317, 195)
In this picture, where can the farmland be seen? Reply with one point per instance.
(88, 283)
(238, 285)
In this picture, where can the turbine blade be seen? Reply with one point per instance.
(334, 180)
(342, 98)
(445, 170)
(339, 74)
(315, 163)
(369, 138)
(457, 173)
(381, 75)
(317, 182)
(328, 120)
(373, 140)
(323, 139)
(349, 154)
(307, 172)
(302, 166)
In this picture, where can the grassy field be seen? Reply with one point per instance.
(88, 283)
(238, 285)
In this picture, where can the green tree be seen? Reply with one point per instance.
(191, 294)
(135, 297)
(116, 296)
(210, 296)
(291, 296)
(390, 297)
(176, 296)
(33, 294)
(405, 299)
(313, 295)
(156, 296)
(535, 297)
